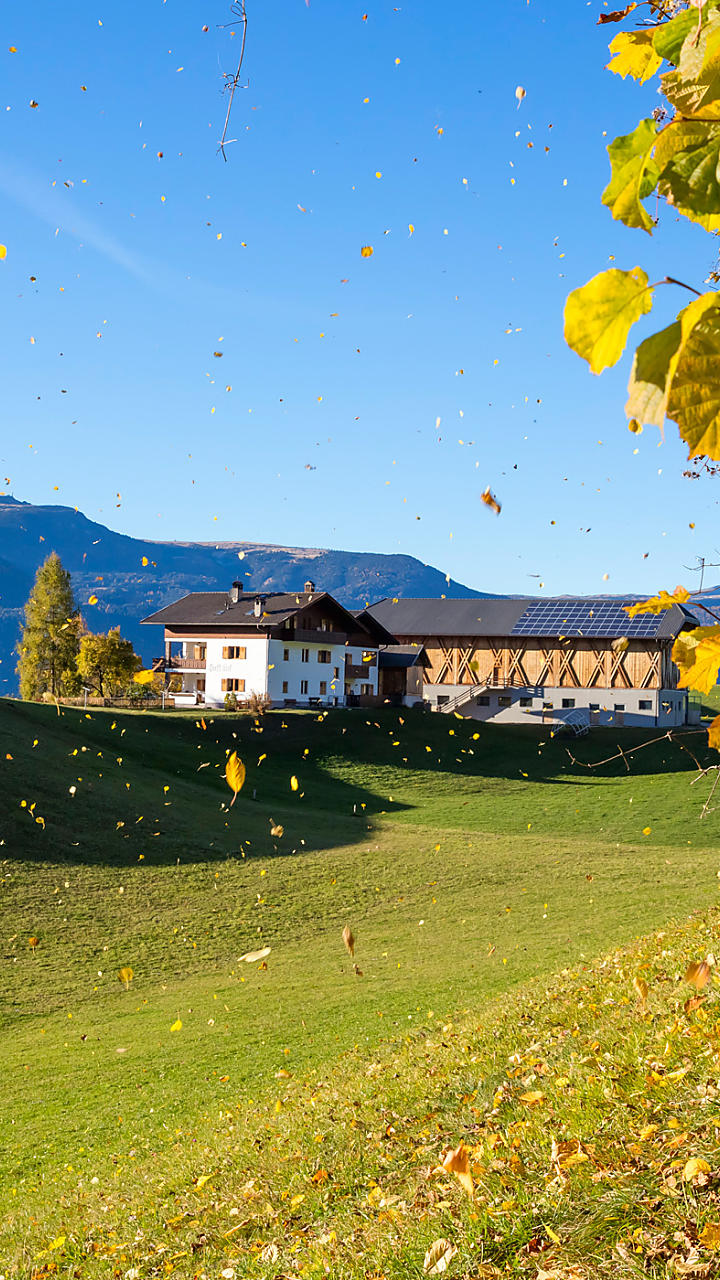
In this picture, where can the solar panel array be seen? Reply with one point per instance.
(591, 618)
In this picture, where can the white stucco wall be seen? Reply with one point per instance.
(668, 707)
(266, 671)
(294, 671)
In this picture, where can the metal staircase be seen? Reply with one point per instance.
(467, 695)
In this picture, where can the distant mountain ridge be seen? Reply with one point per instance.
(110, 566)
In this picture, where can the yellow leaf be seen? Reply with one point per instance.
(532, 1097)
(695, 1166)
(490, 501)
(714, 733)
(3, 251)
(641, 988)
(599, 315)
(659, 603)
(33, 942)
(458, 1162)
(252, 956)
(348, 939)
(698, 974)
(93, 600)
(710, 1235)
(144, 677)
(278, 830)
(126, 975)
(177, 1025)
(144, 561)
(57, 1243)
(438, 1257)
(634, 55)
(294, 784)
(366, 251)
(697, 654)
(204, 1177)
(234, 775)
(519, 94)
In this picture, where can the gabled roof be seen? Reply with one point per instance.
(574, 617)
(215, 609)
(404, 656)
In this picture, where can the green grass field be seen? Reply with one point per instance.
(467, 861)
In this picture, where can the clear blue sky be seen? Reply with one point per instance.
(146, 266)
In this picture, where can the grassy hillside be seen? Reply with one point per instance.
(466, 860)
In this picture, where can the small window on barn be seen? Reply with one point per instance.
(336, 673)
(504, 700)
(233, 686)
(526, 702)
(594, 706)
(645, 704)
(568, 702)
(483, 700)
(619, 706)
(442, 699)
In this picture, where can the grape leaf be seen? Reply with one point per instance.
(634, 55)
(658, 603)
(669, 37)
(598, 316)
(634, 175)
(688, 155)
(714, 733)
(697, 654)
(648, 385)
(694, 397)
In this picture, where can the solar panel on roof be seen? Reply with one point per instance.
(604, 618)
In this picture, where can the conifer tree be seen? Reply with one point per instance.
(49, 644)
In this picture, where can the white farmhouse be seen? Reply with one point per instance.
(292, 648)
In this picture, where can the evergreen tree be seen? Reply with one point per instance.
(49, 644)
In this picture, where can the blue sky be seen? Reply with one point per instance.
(339, 366)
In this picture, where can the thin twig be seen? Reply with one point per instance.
(621, 754)
(232, 81)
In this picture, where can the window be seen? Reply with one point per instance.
(323, 686)
(336, 673)
(483, 700)
(619, 706)
(305, 655)
(367, 655)
(324, 624)
(645, 704)
(234, 651)
(504, 700)
(286, 655)
(303, 686)
(442, 699)
(285, 686)
(233, 686)
(366, 688)
(526, 702)
(594, 706)
(324, 655)
(548, 706)
(568, 702)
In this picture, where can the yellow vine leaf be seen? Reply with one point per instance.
(697, 654)
(634, 175)
(714, 733)
(640, 987)
(599, 315)
(710, 1235)
(634, 55)
(234, 775)
(694, 395)
(458, 1162)
(687, 159)
(658, 603)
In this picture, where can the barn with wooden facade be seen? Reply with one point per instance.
(518, 659)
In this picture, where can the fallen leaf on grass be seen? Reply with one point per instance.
(694, 1168)
(438, 1257)
(710, 1235)
(640, 987)
(532, 1097)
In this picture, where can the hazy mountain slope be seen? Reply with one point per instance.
(109, 565)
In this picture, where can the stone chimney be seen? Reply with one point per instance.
(309, 587)
(258, 606)
(235, 592)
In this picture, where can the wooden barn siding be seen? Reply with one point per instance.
(576, 664)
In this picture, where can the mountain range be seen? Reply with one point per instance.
(133, 577)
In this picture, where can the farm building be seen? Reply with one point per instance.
(514, 660)
(291, 648)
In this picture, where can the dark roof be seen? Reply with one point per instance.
(594, 618)
(215, 609)
(404, 656)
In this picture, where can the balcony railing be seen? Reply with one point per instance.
(181, 664)
(358, 671)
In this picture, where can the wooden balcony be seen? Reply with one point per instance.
(179, 664)
(358, 671)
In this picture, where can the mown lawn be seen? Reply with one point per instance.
(464, 870)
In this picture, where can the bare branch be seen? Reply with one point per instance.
(232, 81)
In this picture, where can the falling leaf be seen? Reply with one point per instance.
(177, 1025)
(348, 939)
(692, 1003)
(367, 251)
(714, 733)
(251, 956)
(3, 251)
(698, 974)
(126, 976)
(635, 427)
(490, 501)
(145, 561)
(234, 775)
(458, 1162)
(616, 15)
(93, 600)
(294, 784)
(438, 1257)
(33, 942)
(641, 988)
(519, 94)
(278, 830)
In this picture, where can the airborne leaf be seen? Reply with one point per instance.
(458, 1162)
(634, 55)
(234, 775)
(714, 733)
(144, 677)
(616, 15)
(348, 939)
(490, 501)
(126, 976)
(599, 315)
(634, 175)
(698, 974)
(251, 956)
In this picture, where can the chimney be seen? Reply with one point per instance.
(309, 587)
(235, 592)
(258, 606)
